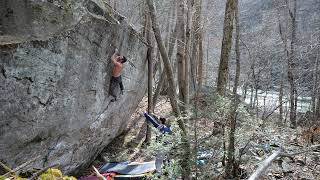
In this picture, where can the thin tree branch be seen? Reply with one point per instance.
(283, 102)
(280, 153)
(98, 174)
(17, 169)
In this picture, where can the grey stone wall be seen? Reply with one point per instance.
(55, 71)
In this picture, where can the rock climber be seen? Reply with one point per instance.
(116, 79)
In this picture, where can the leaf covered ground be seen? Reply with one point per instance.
(255, 140)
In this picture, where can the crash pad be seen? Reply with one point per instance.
(128, 168)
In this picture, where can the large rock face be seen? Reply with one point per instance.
(55, 71)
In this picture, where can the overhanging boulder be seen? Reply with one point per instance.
(55, 71)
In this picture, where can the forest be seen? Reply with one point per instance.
(224, 89)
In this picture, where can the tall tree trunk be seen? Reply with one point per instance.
(199, 73)
(318, 105)
(281, 99)
(245, 90)
(291, 65)
(165, 59)
(162, 81)
(283, 30)
(207, 62)
(150, 73)
(181, 48)
(226, 47)
(115, 5)
(283, 34)
(231, 167)
(254, 83)
(169, 25)
(246, 84)
(187, 57)
(169, 20)
(251, 97)
(194, 43)
(186, 170)
(317, 111)
(256, 101)
(200, 62)
(172, 42)
(264, 104)
(229, 81)
(315, 88)
(196, 20)
(295, 105)
(159, 88)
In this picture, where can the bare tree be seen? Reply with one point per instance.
(188, 68)
(196, 22)
(281, 98)
(165, 59)
(317, 107)
(226, 47)
(181, 38)
(162, 80)
(200, 48)
(150, 71)
(231, 166)
(186, 171)
(283, 34)
(200, 63)
(315, 87)
(291, 65)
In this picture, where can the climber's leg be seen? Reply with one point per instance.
(121, 84)
(113, 87)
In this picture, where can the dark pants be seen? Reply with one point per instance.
(115, 82)
(121, 85)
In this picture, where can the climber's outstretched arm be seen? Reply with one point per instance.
(115, 56)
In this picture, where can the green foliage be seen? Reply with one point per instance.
(169, 145)
(171, 170)
(214, 110)
(53, 174)
(47, 177)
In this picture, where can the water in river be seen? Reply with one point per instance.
(271, 100)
